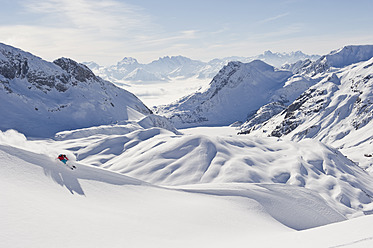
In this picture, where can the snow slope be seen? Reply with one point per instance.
(163, 158)
(47, 205)
(339, 58)
(40, 98)
(348, 55)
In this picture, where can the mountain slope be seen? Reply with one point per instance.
(40, 98)
(236, 91)
(337, 111)
(340, 58)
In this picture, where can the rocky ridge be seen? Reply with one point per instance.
(40, 98)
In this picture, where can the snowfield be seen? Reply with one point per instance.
(45, 204)
(160, 157)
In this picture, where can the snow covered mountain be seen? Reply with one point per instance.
(158, 70)
(40, 98)
(329, 100)
(166, 68)
(240, 91)
(336, 59)
(140, 75)
(337, 111)
(236, 91)
(174, 77)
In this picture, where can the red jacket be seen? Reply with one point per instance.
(62, 157)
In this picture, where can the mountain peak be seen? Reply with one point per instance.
(339, 58)
(348, 55)
(128, 61)
(268, 53)
(238, 89)
(173, 59)
(260, 64)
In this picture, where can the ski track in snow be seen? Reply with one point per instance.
(353, 243)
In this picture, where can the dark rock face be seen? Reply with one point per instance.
(18, 66)
(222, 78)
(45, 82)
(310, 102)
(79, 71)
(261, 116)
(298, 103)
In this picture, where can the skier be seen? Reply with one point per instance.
(63, 158)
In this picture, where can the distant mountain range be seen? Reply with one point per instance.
(168, 68)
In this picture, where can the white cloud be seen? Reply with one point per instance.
(80, 29)
(273, 18)
(103, 31)
(92, 14)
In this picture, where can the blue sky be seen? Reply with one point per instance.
(107, 31)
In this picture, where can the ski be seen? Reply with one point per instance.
(73, 167)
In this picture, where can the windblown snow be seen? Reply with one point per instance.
(141, 182)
